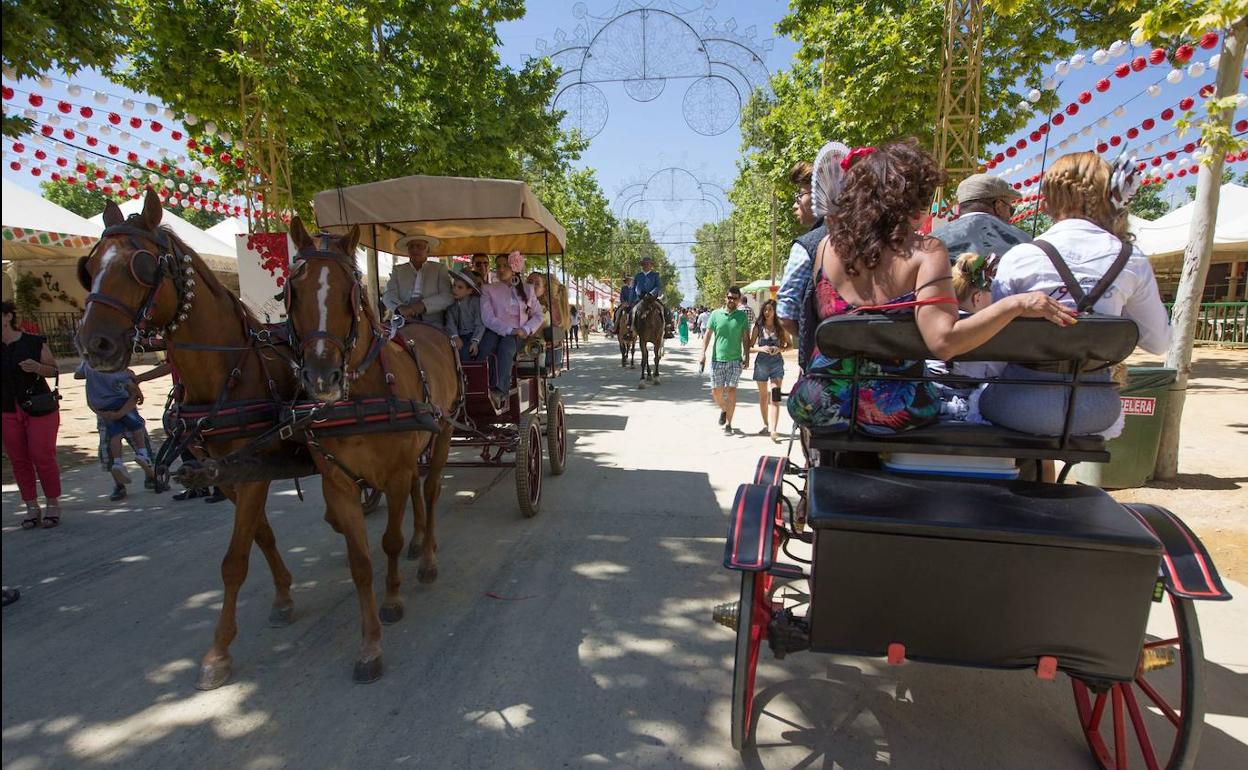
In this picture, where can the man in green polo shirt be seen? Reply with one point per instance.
(729, 326)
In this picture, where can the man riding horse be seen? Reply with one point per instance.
(647, 283)
(628, 298)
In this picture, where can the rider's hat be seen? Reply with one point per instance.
(467, 277)
(644, 260)
(407, 240)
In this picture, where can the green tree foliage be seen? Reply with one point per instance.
(868, 71)
(42, 35)
(632, 242)
(577, 201)
(713, 261)
(359, 90)
(1148, 202)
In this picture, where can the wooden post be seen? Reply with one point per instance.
(1196, 258)
(774, 205)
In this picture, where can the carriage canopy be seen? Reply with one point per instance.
(466, 215)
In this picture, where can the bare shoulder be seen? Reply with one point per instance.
(929, 249)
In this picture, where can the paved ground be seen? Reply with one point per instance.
(598, 653)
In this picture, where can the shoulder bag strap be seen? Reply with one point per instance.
(1108, 279)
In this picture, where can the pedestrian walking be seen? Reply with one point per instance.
(768, 341)
(32, 419)
(728, 327)
(575, 329)
(683, 331)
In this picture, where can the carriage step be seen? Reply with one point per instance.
(787, 572)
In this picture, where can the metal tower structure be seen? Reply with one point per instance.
(957, 104)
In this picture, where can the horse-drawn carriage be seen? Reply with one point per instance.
(477, 216)
(943, 565)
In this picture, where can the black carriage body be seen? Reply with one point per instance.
(993, 574)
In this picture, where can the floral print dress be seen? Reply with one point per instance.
(823, 398)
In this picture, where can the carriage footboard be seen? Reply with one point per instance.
(1186, 567)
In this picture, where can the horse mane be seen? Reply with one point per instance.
(208, 277)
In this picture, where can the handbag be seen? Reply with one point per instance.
(43, 404)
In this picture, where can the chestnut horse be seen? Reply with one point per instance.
(143, 279)
(343, 354)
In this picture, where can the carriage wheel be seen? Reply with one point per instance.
(529, 466)
(556, 434)
(754, 610)
(1157, 717)
(369, 499)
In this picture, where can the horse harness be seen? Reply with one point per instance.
(313, 420)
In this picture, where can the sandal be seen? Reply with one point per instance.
(51, 520)
(34, 515)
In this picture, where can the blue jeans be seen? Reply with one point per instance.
(465, 342)
(1041, 410)
(129, 422)
(504, 349)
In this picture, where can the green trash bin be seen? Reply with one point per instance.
(1134, 453)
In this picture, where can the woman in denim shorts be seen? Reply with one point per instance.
(768, 341)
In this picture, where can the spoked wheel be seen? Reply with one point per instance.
(529, 466)
(1155, 719)
(370, 498)
(754, 613)
(556, 434)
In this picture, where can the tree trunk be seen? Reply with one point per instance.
(1196, 260)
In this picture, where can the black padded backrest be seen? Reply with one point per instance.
(1094, 339)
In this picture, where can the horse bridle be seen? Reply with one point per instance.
(345, 347)
(172, 263)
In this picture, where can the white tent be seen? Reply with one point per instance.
(1165, 238)
(218, 254)
(37, 228)
(227, 229)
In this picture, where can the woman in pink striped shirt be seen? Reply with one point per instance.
(511, 312)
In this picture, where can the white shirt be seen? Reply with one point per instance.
(1089, 251)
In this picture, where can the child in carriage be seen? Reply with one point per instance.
(463, 321)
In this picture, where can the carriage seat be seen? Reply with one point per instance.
(1001, 511)
(1094, 342)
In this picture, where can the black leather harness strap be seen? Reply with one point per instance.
(1084, 302)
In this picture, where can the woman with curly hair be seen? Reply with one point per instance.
(1088, 262)
(874, 260)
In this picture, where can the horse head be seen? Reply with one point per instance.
(325, 310)
(139, 280)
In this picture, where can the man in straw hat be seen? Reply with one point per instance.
(982, 225)
(419, 289)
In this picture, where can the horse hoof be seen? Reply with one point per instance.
(213, 675)
(367, 671)
(413, 551)
(427, 574)
(281, 615)
(391, 613)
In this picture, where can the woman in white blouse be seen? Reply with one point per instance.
(1087, 198)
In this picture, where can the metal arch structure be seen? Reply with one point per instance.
(644, 44)
(673, 186)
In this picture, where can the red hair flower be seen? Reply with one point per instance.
(854, 154)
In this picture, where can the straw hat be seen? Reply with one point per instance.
(402, 244)
(467, 277)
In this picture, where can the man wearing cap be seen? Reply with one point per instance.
(982, 225)
(464, 322)
(420, 289)
(648, 283)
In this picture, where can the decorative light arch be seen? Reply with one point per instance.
(645, 45)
